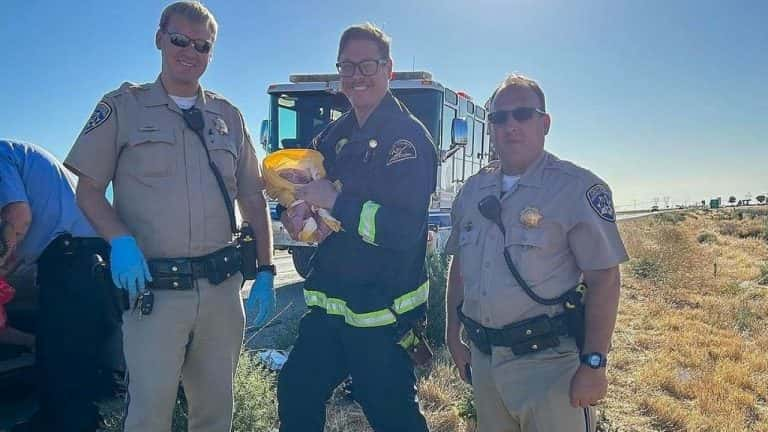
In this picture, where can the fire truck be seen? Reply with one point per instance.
(302, 108)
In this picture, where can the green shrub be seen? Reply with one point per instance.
(763, 278)
(646, 268)
(669, 217)
(255, 396)
(706, 237)
(438, 276)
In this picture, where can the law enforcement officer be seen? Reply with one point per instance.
(171, 225)
(42, 223)
(368, 286)
(524, 317)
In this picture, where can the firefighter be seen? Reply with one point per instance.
(368, 288)
(530, 231)
(41, 224)
(179, 157)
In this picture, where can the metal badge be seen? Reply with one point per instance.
(372, 143)
(530, 217)
(221, 126)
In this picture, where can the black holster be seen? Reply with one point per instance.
(246, 243)
(574, 313)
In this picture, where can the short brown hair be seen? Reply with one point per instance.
(194, 11)
(367, 32)
(520, 81)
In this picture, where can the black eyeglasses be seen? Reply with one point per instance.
(520, 114)
(182, 41)
(366, 67)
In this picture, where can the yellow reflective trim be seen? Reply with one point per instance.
(333, 306)
(367, 225)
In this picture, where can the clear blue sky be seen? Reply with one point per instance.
(660, 98)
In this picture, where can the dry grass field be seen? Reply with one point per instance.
(690, 352)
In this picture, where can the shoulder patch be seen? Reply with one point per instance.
(599, 198)
(99, 116)
(401, 150)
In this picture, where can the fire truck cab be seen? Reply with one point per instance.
(302, 108)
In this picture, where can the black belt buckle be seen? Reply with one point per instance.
(530, 328)
(535, 345)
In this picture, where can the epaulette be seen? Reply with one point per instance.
(492, 168)
(126, 87)
(569, 168)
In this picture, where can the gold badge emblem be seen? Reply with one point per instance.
(221, 126)
(530, 217)
(340, 144)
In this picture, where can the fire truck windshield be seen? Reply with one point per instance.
(297, 117)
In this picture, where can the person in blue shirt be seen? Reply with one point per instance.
(42, 224)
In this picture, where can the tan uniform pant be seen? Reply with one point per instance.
(529, 393)
(194, 336)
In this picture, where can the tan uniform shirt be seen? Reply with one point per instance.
(569, 227)
(164, 189)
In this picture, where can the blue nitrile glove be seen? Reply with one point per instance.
(129, 268)
(262, 296)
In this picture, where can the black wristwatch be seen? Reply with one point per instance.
(594, 360)
(267, 267)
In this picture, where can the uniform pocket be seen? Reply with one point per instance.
(224, 155)
(150, 154)
(470, 256)
(526, 247)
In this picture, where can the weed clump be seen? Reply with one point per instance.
(707, 237)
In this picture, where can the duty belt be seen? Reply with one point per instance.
(523, 337)
(181, 273)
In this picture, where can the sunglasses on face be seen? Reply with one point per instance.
(366, 67)
(182, 41)
(520, 114)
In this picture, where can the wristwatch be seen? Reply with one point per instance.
(267, 267)
(594, 360)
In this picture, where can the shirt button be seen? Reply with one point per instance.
(174, 269)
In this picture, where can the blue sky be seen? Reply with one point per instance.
(660, 98)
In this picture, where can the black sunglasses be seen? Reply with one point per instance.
(366, 67)
(182, 41)
(520, 114)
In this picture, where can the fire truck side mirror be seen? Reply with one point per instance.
(459, 132)
(264, 135)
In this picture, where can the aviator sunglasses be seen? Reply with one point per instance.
(182, 41)
(520, 114)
